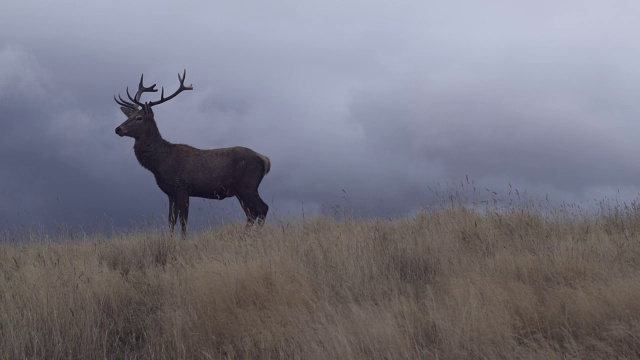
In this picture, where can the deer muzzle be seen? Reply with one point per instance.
(120, 132)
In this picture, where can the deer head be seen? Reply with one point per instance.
(140, 119)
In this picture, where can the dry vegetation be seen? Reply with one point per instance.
(449, 283)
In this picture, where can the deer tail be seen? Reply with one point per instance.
(267, 163)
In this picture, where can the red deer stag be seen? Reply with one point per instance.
(182, 171)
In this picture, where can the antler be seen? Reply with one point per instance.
(135, 100)
(180, 89)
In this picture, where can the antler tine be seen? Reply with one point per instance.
(137, 102)
(184, 75)
(180, 89)
(124, 103)
(143, 89)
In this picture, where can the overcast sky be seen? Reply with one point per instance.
(359, 104)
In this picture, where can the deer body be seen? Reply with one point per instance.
(182, 171)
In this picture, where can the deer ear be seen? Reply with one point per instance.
(127, 111)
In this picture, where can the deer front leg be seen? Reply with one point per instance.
(173, 216)
(179, 209)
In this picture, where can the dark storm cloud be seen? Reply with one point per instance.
(361, 105)
(54, 162)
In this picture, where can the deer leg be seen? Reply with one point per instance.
(261, 209)
(254, 208)
(182, 203)
(247, 212)
(173, 217)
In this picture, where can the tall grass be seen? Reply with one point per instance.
(451, 282)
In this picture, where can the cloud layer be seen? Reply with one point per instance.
(361, 104)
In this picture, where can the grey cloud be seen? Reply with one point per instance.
(364, 105)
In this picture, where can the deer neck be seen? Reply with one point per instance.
(151, 150)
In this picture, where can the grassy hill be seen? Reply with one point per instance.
(447, 283)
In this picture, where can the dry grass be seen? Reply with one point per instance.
(448, 283)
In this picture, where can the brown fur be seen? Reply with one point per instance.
(182, 171)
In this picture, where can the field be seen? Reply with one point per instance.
(451, 282)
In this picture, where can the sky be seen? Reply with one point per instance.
(366, 106)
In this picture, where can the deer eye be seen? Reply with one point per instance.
(139, 118)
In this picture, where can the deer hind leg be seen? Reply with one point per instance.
(261, 209)
(254, 208)
(183, 213)
(247, 211)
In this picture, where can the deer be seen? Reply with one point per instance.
(182, 171)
